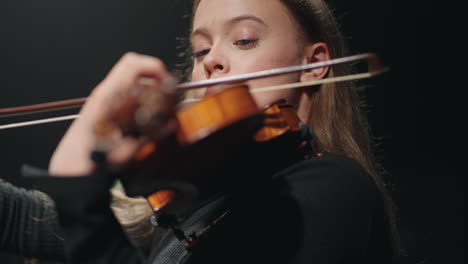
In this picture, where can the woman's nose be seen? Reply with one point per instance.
(215, 64)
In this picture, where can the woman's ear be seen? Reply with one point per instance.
(316, 52)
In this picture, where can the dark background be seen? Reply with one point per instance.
(54, 49)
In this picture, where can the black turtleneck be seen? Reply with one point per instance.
(321, 210)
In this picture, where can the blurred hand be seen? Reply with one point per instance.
(72, 157)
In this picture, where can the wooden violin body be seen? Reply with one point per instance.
(218, 144)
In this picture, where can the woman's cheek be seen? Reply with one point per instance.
(196, 73)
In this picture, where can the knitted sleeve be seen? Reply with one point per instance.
(29, 224)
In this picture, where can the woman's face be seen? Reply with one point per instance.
(232, 37)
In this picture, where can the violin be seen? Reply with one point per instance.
(163, 168)
(171, 133)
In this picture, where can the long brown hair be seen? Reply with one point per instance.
(338, 118)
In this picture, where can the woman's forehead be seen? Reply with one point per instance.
(213, 12)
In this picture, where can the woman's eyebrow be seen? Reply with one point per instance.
(199, 31)
(229, 23)
(238, 19)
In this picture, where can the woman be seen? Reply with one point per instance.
(328, 209)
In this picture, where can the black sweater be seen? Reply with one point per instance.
(321, 210)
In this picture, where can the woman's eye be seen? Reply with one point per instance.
(201, 53)
(246, 43)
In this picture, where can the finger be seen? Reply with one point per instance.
(123, 150)
(133, 66)
(128, 73)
